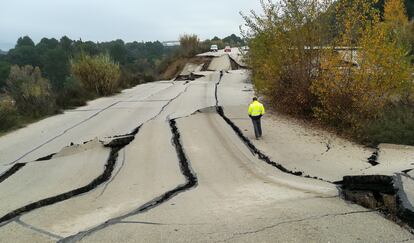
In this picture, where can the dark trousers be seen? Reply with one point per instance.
(257, 126)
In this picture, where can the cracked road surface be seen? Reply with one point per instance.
(163, 166)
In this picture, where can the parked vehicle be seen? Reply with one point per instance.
(214, 48)
(227, 49)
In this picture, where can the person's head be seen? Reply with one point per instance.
(254, 98)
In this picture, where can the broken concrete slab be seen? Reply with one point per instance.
(391, 195)
(190, 68)
(220, 63)
(406, 197)
(44, 179)
(235, 89)
(238, 57)
(197, 96)
(144, 172)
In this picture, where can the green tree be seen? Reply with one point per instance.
(233, 40)
(87, 47)
(67, 45)
(118, 51)
(24, 55)
(24, 41)
(46, 44)
(56, 67)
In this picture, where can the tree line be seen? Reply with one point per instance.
(53, 57)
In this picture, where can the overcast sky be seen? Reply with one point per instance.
(103, 20)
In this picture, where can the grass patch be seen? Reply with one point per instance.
(396, 126)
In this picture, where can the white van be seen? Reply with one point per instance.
(214, 48)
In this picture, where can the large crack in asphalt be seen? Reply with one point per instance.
(253, 149)
(373, 191)
(11, 171)
(116, 144)
(186, 170)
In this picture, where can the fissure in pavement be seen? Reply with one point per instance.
(116, 145)
(379, 192)
(186, 170)
(11, 171)
(251, 146)
(375, 192)
(16, 167)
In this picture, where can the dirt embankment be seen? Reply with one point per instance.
(175, 68)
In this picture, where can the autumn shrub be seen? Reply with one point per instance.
(98, 74)
(189, 44)
(31, 92)
(285, 46)
(341, 62)
(9, 117)
(354, 86)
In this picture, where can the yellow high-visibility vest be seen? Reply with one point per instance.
(256, 109)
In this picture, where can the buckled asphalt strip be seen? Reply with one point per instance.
(187, 171)
(115, 145)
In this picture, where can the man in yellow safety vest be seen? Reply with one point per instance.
(256, 111)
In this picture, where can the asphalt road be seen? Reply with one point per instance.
(158, 163)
